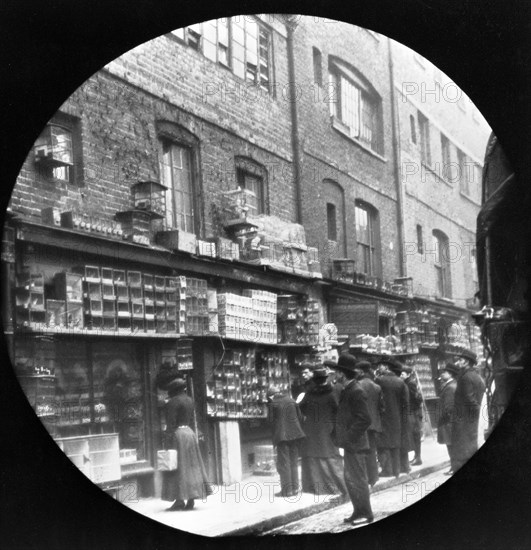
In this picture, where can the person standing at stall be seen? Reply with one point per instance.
(352, 422)
(189, 482)
(285, 418)
(394, 418)
(445, 408)
(322, 468)
(376, 406)
(468, 396)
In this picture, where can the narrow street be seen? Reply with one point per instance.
(384, 503)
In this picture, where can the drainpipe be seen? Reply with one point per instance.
(295, 141)
(396, 161)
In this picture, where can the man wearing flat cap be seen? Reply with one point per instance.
(352, 422)
(394, 418)
(468, 395)
(445, 408)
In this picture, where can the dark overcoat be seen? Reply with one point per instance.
(319, 410)
(469, 392)
(445, 413)
(285, 418)
(375, 402)
(395, 417)
(352, 419)
(189, 481)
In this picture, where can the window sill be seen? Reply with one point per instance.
(444, 300)
(437, 175)
(469, 198)
(344, 131)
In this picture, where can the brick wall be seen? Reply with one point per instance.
(433, 198)
(118, 143)
(329, 154)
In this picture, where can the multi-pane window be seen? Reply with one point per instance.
(464, 175)
(240, 43)
(255, 185)
(424, 131)
(366, 237)
(54, 152)
(177, 176)
(442, 264)
(331, 220)
(356, 108)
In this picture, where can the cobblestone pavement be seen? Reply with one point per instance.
(384, 504)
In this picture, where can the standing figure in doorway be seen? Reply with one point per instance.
(285, 418)
(322, 466)
(189, 481)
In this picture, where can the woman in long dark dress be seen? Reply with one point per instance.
(189, 481)
(322, 465)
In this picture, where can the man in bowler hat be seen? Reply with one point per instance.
(445, 408)
(468, 395)
(395, 417)
(376, 406)
(285, 418)
(352, 421)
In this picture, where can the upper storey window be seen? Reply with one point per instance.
(55, 149)
(242, 44)
(356, 105)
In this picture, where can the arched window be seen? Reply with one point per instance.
(179, 174)
(252, 176)
(335, 218)
(355, 104)
(442, 264)
(368, 239)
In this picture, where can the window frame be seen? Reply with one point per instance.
(367, 114)
(238, 37)
(169, 132)
(73, 168)
(373, 246)
(331, 221)
(425, 144)
(246, 166)
(442, 265)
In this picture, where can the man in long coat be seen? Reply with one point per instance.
(376, 406)
(468, 395)
(352, 422)
(322, 465)
(285, 418)
(445, 409)
(394, 418)
(414, 416)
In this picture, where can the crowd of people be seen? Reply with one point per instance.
(349, 423)
(353, 422)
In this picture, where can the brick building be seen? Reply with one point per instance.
(308, 122)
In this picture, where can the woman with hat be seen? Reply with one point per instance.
(189, 481)
(322, 469)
